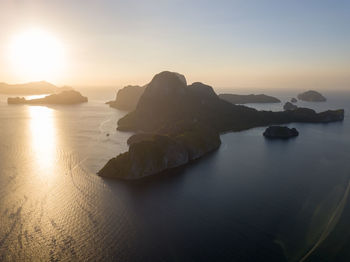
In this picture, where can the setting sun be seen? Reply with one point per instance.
(36, 55)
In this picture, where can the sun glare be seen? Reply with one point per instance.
(36, 55)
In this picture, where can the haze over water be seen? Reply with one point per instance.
(252, 200)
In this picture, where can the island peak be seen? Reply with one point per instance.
(312, 96)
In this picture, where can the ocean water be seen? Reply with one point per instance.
(251, 200)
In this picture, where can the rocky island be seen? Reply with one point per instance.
(127, 98)
(289, 106)
(65, 97)
(178, 123)
(311, 96)
(281, 132)
(246, 99)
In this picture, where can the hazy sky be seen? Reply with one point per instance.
(240, 43)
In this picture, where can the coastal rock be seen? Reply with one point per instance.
(289, 106)
(245, 99)
(146, 158)
(127, 98)
(153, 153)
(65, 97)
(280, 132)
(294, 100)
(311, 96)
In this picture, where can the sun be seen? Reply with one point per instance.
(36, 55)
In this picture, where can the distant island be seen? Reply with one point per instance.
(288, 106)
(311, 96)
(246, 99)
(65, 97)
(127, 98)
(280, 132)
(178, 123)
(32, 88)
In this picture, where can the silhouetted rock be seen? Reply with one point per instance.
(312, 96)
(245, 99)
(294, 100)
(127, 98)
(154, 153)
(183, 123)
(65, 97)
(280, 132)
(289, 106)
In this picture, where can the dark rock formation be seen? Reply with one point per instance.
(127, 98)
(65, 97)
(154, 153)
(294, 100)
(280, 132)
(245, 99)
(311, 96)
(181, 123)
(289, 106)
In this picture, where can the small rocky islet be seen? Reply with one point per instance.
(288, 106)
(280, 132)
(176, 123)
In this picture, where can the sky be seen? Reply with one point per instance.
(237, 43)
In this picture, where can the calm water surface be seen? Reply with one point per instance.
(252, 200)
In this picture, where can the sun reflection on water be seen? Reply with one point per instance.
(43, 138)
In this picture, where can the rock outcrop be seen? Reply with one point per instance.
(127, 98)
(289, 106)
(180, 123)
(65, 97)
(311, 96)
(294, 100)
(281, 132)
(154, 153)
(245, 99)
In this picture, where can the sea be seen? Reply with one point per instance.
(251, 200)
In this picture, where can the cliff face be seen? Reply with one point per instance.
(181, 123)
(152, 153)
(65, 97)
(127, 98)
(245, 99)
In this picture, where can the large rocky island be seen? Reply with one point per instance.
(177, 123)
(311, 96)
(246, 99)
(65, 97)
